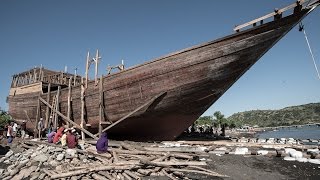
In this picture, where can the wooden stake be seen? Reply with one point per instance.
(68, 120)
(82, 107)
(69, 100)
(57, 108)
(96, 67)
(87, 69)
(47, 109)
(101, 109)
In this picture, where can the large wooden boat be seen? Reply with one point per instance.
(159, 99)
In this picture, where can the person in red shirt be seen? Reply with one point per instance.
(58, 135)
(72, 140)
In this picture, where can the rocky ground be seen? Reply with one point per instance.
(213, 160)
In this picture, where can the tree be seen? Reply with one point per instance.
(222, 121)
(4, 118)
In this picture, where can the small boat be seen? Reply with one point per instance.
(156, 100)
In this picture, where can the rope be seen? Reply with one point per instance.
(314, 61)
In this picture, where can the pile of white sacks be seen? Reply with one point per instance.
(294, 155)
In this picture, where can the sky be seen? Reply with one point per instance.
(59, 33)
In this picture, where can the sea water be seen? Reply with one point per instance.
(302, 132)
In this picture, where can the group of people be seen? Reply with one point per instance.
(13, 129)
(64, 136)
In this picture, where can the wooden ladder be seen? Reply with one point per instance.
(53, 113)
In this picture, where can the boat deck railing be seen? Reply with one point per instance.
(277, 14)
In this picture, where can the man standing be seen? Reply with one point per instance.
(23, 129)
(9, 133)
(40, 127)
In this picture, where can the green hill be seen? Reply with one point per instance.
(294, 115)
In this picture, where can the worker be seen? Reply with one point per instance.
(58, 135)
(40, 127)
(64, 137)
(51, 136)
(72, 140)
(102, 143)
(9, 133)
(23, 129)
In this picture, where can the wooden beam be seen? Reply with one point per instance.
(69, 100)
(57, 108)
(134, 111)
(82, 108)
(68, 120)
(237, 28)
(48, 110)
(101, 109)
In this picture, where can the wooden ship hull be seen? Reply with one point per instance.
(157, 100)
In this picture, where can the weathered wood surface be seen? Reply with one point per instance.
(193, 78)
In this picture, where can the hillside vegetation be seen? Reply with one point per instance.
(294, 115)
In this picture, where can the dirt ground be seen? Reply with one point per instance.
(241, 167)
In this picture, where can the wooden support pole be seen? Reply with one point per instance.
(57, 108)
(96, 67)
(101, 109)
(69, 100)
(82, 108)
(87, 69)
(68, 120)
(48, 110)
(131, 113)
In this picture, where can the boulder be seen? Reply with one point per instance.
(9, 153)
(287, 158)
(296, 154)
(54, 163)
(71, 153)
(314, 161)
(241, 150)
(302, 159)
(60, 157)
(1, 171)
(262, 152)
(41, 158)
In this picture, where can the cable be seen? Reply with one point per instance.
(301, 28)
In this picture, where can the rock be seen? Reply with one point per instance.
(295, 154)
(41, 158)
(302, 159)
(270, 140)
(81, 157)
(7, 161)
(261, 140)
(287, 150)
(41, 176)
(9, 153)
(39, 147)
(45, 150)
(71, 153)
(85, 160)
(14, 171)
(54, 163)
(75, 161)
(287, 158)
(60, 157)
(241, 150)
(221, 149)
(262, 152)
(314, 161)
(45, 163)
(59, 168)
(1, 171)
(21, 174)
(34, 175)
(309, 151)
